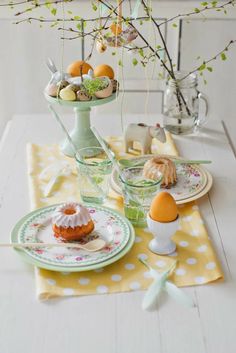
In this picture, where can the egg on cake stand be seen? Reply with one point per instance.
(163, 221)
(81, 102)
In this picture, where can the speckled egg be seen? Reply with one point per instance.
(83, 96)
(67, 94)
(73, 87)
(62, 84)
(115, 85)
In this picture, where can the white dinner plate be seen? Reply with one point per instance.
(109, 225)
(192, 181)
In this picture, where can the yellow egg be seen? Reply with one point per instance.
(67, 95)
(163, 208)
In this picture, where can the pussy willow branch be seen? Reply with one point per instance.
(93, 34)
(141, 36)
(211, 59)
(47, 20)
(112, 11)
(36, 5)
(84, 34)
(72, 19)
(188, 14)
(17, 3)
(206, 8)
(199, 11)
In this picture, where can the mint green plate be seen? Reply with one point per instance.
(30, 229)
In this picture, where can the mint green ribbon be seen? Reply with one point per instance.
(103, 9)
(134, 14)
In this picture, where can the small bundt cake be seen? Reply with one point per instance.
(165, 166)
(72, 221)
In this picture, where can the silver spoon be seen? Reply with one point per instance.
(130, 163)
(91, 246)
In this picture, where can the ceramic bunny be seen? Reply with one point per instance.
(143, 134)
(57, 76)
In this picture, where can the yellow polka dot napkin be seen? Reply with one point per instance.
(197, 262)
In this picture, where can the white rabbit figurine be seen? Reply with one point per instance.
(57, 76)
(143, 134)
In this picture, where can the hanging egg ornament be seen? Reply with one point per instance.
(115, 29)
(101, 46)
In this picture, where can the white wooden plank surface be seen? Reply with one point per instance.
(116, 323)
(230, 130)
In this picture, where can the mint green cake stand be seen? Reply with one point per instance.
(81, 135)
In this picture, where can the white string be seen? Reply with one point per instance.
(123, 92)
(63, 34)
(62, 49)
(155, 45)
(146, 70)
(118, 74)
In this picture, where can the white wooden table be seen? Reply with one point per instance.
(115, 323)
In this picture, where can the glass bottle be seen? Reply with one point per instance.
(182, 112)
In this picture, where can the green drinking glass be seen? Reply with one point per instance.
(138, 193)
(94, 171)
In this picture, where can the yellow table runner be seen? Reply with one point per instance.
(197, 262)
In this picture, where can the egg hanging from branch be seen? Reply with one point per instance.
(101, 46)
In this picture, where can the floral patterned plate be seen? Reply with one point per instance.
(192, 179)
(109, 225)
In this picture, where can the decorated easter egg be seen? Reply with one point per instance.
(83, 96)
(52, 90)
(101, 46)
(62, 84)
(163, 208)
(115, 85)
(115, 29)
(104, 70)
(78, 67)
(73, 87)
(67, 94)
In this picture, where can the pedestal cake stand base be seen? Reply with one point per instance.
(81, 135)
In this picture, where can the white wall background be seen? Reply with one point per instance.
(24, 48)
(209, 38)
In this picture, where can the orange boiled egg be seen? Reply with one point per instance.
(163, 208)
(78, 67)
(104, 70)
